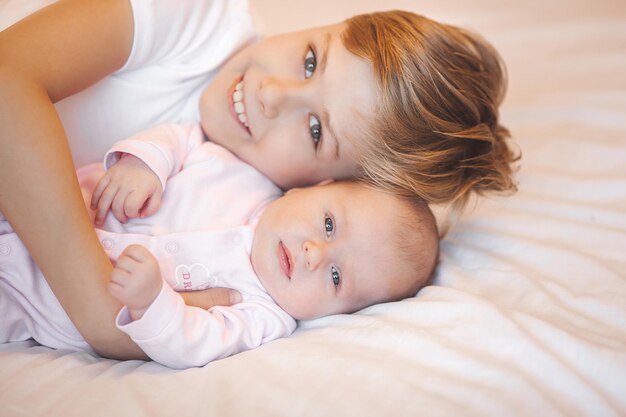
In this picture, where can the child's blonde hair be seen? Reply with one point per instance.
(436, 133)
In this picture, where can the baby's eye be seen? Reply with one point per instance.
(315, 127)
(336, 276)
(328, 226)
(310, 63)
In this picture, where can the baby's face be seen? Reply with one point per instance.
(288, 104)
(330, 249)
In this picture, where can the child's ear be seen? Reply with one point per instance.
(319, 184)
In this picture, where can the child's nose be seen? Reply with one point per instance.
(314, 254)
(276, 95)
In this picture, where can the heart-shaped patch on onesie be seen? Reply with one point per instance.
(193, 277)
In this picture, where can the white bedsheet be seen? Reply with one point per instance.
(527, 316)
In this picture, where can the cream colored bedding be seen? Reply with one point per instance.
(527, 314)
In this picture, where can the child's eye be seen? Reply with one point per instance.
(329, 226)
(310, 63)
(315, 127)
(335, 275)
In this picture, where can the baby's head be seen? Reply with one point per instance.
(406, 102)
(339, 247)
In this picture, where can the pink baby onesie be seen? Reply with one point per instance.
(201, 235)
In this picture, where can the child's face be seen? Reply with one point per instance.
(304, 94)
(330, 249)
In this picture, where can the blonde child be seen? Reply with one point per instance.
(407, 103)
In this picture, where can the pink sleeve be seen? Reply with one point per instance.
(164, 148)
(180, 336)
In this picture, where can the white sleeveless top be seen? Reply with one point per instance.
(178, 47)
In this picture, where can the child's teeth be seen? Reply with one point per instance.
(240, 109)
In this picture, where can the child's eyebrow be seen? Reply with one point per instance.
(324, 51)
(326, 122)
(325, 115)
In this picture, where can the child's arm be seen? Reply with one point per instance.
(48, 56)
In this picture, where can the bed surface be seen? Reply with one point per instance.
(527, 314)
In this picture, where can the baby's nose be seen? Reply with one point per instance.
(314, 254)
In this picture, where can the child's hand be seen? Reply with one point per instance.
(129, 189)
(136, 280)
(211, 297)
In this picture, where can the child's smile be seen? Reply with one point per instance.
(238, 106)
(293, 106)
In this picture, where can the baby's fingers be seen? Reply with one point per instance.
(120, 276)
(117, 206)
(126, 264)
(119, 292)
(97, 192)
(125, 285)
(138, 253)
(105, 201)
(153, 204)
(134, 202)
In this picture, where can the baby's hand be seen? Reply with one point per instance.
(136, 280)
(129, 189)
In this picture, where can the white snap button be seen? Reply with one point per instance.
(4, 249)
(171, 247)
(107, 243)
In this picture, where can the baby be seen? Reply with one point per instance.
(332, 248)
